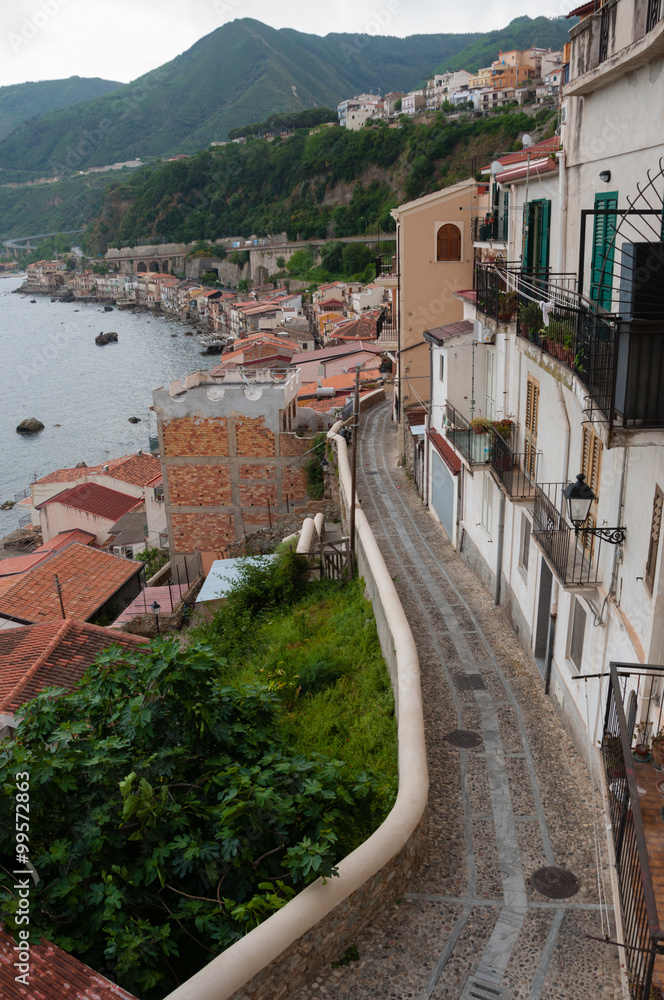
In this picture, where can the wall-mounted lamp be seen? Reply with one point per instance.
(580, 498)
(605, 175)
(156, 608)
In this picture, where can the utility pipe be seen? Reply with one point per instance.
(553, 610)
(499, 556)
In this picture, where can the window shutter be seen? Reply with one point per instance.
(532, 410)
(448, 243)
(528, 212)
(490, 388)
(604, 231)
(653, 545)
(544, 232)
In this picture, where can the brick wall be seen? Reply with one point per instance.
(193, 436)
(199, 485)
(202, 531)
(253, 438)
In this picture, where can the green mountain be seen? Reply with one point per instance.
(241, 73)
(23, 101)
(520, 33)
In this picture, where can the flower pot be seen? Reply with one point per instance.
(657, 752)
(641, 753)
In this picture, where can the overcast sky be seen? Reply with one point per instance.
(122, 39)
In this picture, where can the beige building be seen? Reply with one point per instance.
(435, 260)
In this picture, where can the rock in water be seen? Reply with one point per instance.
(81, 465)
(134, 420)
(106, 338)
(30, 426)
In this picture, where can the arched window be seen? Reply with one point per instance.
(448, 245)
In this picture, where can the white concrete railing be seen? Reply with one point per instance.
(232, 972)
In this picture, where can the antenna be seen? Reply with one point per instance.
(526, 141)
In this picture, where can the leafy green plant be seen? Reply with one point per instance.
(530, 315)
(314, 468)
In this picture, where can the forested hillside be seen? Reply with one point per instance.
(331, 183)
(521, 33)
(22, 101)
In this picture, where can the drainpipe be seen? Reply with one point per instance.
(499, 556)
(553, 613)
(562, 212)
(427, 425)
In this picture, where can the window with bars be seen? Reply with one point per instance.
(591, 462)
(448, 243)
(653, 545)
(530, 426)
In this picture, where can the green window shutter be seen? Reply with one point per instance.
(604, 231)
(544, 234)
(528, 219)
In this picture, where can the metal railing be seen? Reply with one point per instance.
(24, 520)
(387, 267)
(654, 14)
(564, 548)
(472, 444)
(491, 227)
(508, 468)
(642, 934)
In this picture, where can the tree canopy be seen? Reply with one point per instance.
(167, 817)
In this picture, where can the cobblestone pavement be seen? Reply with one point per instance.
(471, 925)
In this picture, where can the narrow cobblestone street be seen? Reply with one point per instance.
(471, 925)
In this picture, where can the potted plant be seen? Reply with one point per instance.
(480, 425)
(641, 751)
(503, 427)
(657, 750)
(507, 303)
(531, 320)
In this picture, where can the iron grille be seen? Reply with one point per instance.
(562, 546)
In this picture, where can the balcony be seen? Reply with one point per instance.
(564, 549)
(619, 361)
(475, 446)
(636, 827)
(493, 228)
(508, 470)
(387, 270)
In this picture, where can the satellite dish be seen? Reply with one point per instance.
(527, 140)
(496, 167)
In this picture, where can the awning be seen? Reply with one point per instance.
(446, 452)
(536, 169)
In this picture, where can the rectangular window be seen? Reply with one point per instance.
(653, 546)
(441, 373)
(578, 634)
(531, 421)
(487, 501)
(524, 546)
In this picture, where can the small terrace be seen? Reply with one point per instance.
(637, 828)
(573, 556)
(619, 360)
(473, 443)
(509, 469)
(490, 228)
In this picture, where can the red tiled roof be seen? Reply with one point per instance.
(135, 469)
(54, 975)
(326, 353)
(95, 499)
(88, 578)
(446, 452)
(21, 564)
(451, 330)
(54, 654)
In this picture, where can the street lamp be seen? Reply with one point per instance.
(580, 497)
(325, 466)
(156, 608)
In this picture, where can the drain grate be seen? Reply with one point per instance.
(469, 682)
(370, 472)
(556, 883)
(477, 988)
(463, 738)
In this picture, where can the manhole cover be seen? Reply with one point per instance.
(469, 682)
(556, 883)
(463, 738)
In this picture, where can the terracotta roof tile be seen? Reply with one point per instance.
(88, 578)
(54, 975)
(95, 499)
(54, 654)
(135, 469)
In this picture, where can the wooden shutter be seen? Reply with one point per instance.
(653, 546)
(532, 417)
(490, 388)
(604, 231)
(449, 243)
(591, 462)
(544, 235)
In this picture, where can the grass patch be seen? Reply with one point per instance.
(322, 656)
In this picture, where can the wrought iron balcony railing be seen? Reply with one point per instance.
(509, 469)
(491, 228)
(643, 936)
(473, 444)
(564, 548)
